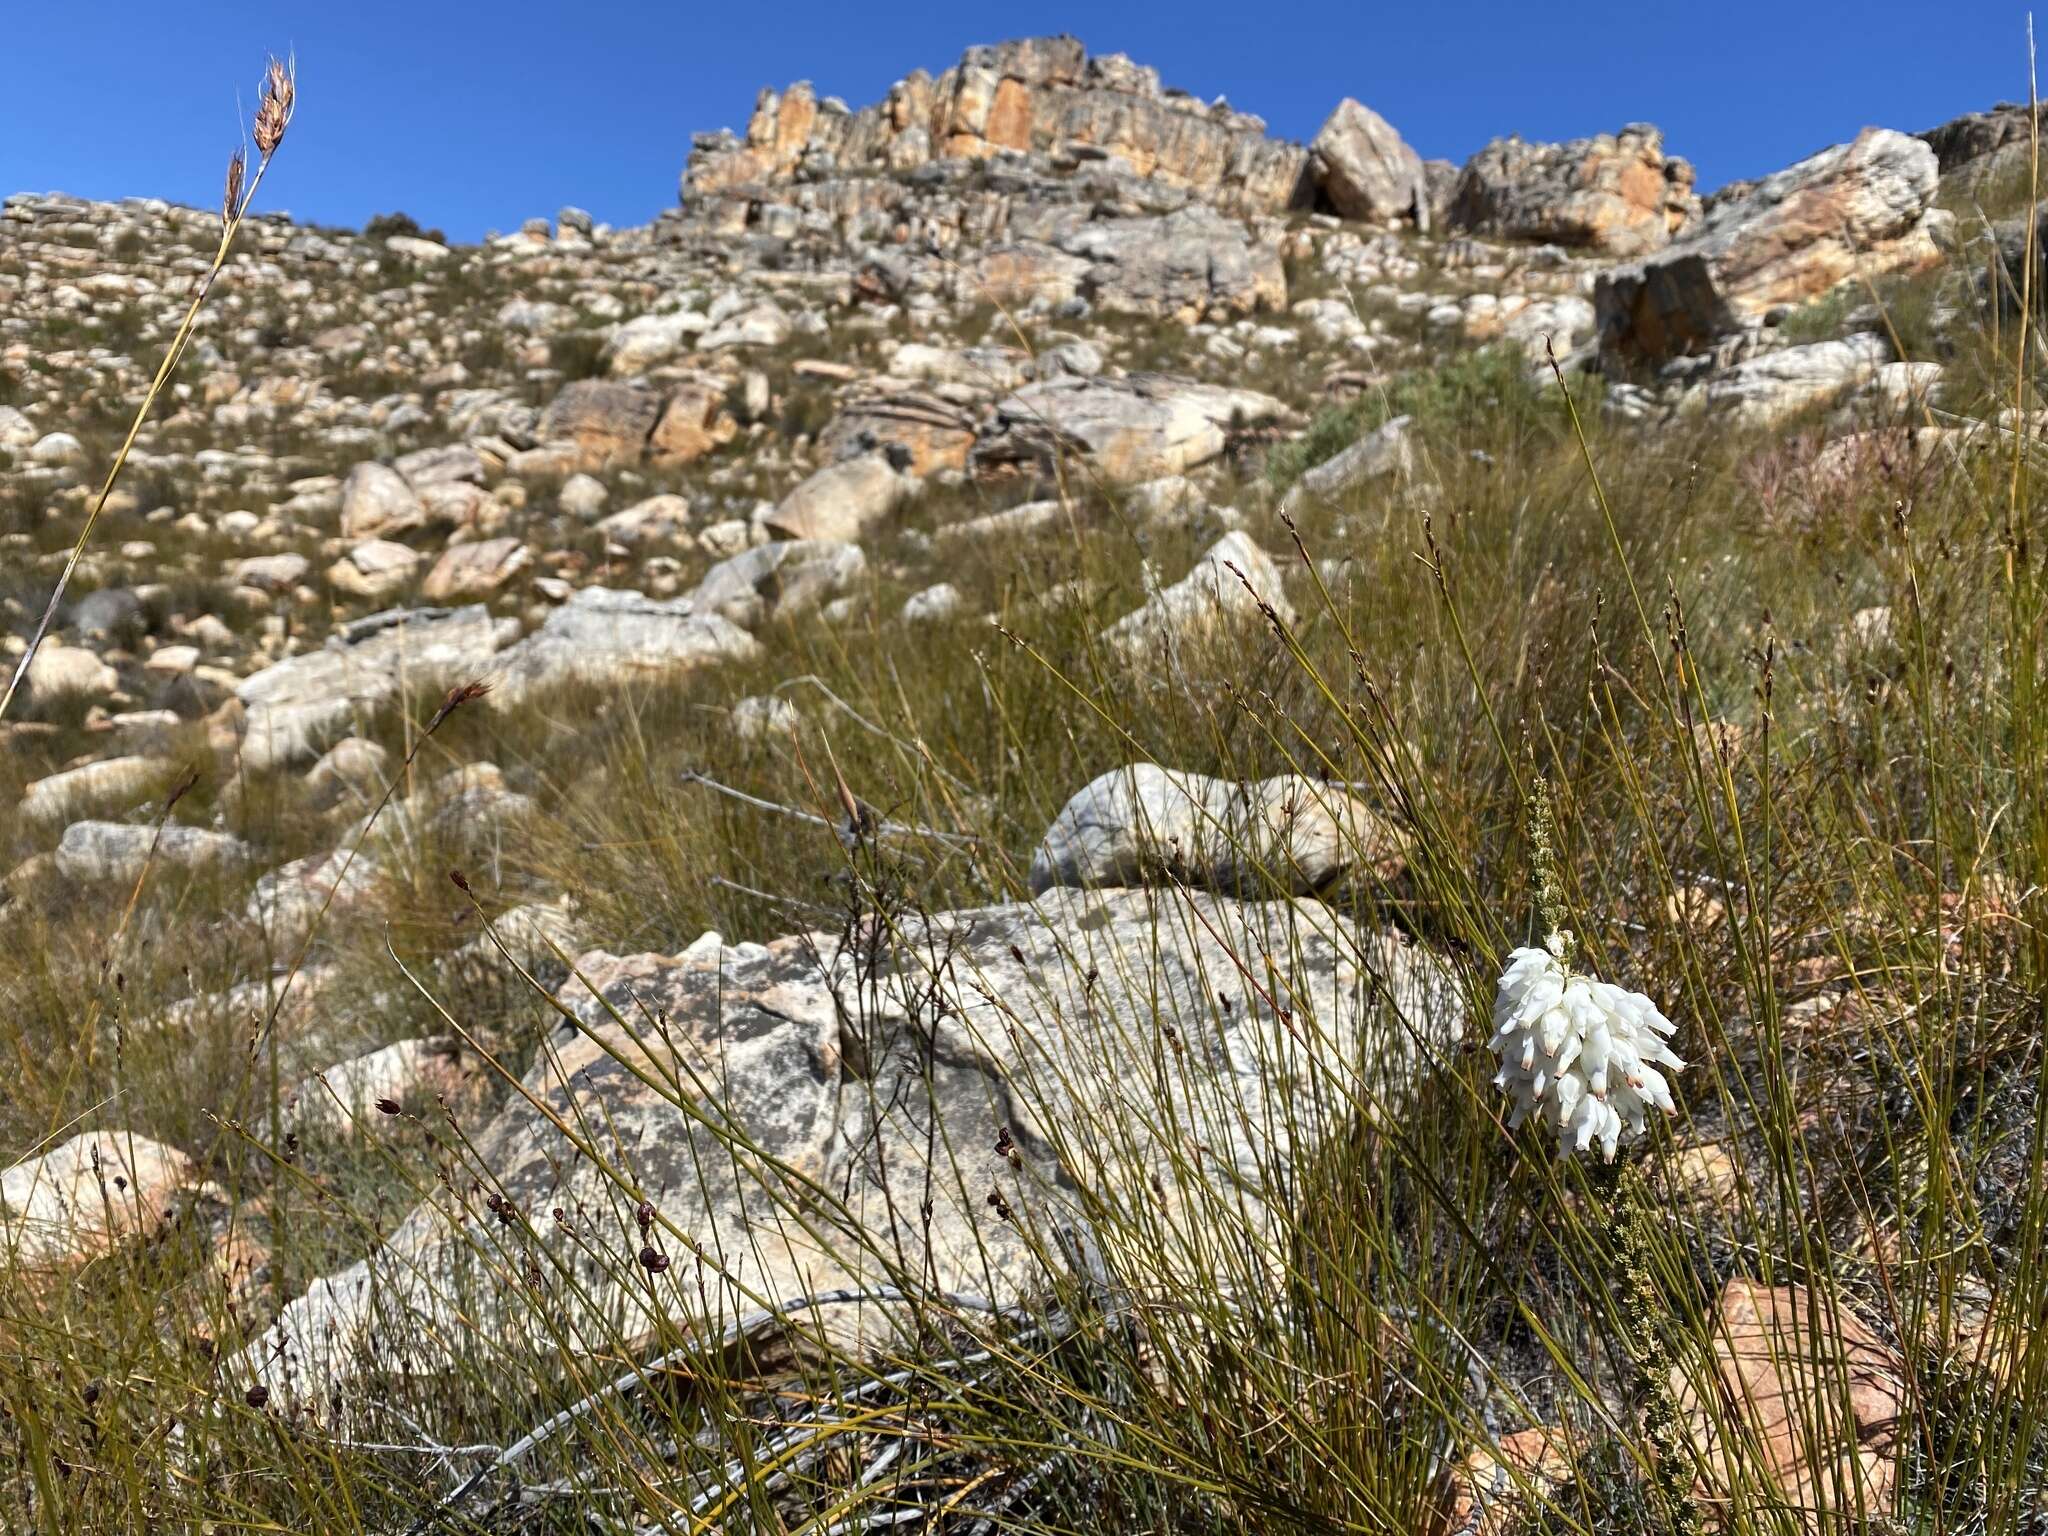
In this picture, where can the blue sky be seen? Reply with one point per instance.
(473, 117)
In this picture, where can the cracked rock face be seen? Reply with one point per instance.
(1043, 95)
(788, 1109)
(1618, 194)
(1864, 207)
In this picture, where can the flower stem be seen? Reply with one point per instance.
(1649, 1349)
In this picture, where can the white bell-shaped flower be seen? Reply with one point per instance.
(1579, 1055)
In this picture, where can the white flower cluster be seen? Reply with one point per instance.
(1578, 1054)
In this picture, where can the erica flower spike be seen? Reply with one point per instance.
(1579, 1055)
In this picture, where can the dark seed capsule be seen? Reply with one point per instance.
(387, 1107)
(653, 1260)
(257, 1395)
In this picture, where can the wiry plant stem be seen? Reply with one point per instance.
(272, 118)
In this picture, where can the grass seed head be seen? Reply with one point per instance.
(274, 113)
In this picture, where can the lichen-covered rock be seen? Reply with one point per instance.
(1862, 208)
(607, 423)
(475, 569)
(1764, 391)
(377, 501)
(779, 580)
(975, 1069)
(112, 784)
(120, 851)
(930, 433)
(1617, 194)
(1034, 95)
(1386, 451)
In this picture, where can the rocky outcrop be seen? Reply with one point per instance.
(1976, 136)
(1616, 194)
(1190, 265)
(974, 1070)
(1034, 96)
(1860, 209)
(1366, 170)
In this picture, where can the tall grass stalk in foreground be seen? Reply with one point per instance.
(273, 116)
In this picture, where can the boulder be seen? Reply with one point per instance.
(843, 501)
(110, 784)
(1209, 597)
(1387, 450)
(1147, 825)
(1764, 391)
(374, 569)
(933, 604)
(291, 901)
(1135, 428)
(778, 580)
(763, 325)
(1802, 1396)
(930, 434)
(1615, 194)
(70, 672)
(649, 341)
(608, 424)
(297, 705)
(607, 638)
(377, 501)
(117, 851)
(16, 430)
(445, 464)
(354, 1094)
(1365, 170)
(692, 423)
(1859, 209)
(88, 1196)
(976, 1067)
(275, 574)
(663, 518)
(475, 570)
(352, 770)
